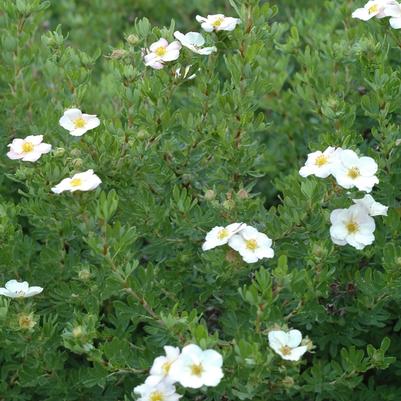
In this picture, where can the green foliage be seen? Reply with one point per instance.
(122, 267)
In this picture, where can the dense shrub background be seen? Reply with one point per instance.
(122, 266)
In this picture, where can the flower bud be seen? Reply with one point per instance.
(84, 274)
(58, 152)
(77, 163)
(26, 321)
(229, 204)
(118, 53)
(210, 195)
(243, 194)
(132, 39)
(77, 331)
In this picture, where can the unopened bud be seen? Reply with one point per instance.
(210, 195)
(132, 39)
(118, 53)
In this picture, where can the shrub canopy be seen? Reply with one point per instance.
(122, 267)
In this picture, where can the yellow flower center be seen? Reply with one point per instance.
(354, 172)
(166, 367)
(197, 369)
(79, 122)
(373, 9)
(285, 350)
(75, 182)
(321, 160)
(217, 22)
(27, 147)
(251, 244)
(352, 227)
(160, 51)
(156, 396)
(223, 234)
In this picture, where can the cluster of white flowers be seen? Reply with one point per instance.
(17, 289)
(32, 147)
(287, 344)
(246, 240)
(161, 52)
(192, 368)
(345, 165)
(380, 9)
(355, 225)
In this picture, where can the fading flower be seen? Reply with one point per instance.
(194, 41)
(77, 123)
(352, 226)
(287, 344)
(320, 163)
(159, 392)
(372, 207)
(218, 22)
(354, 171)
(184, 75)
(29, 149)
(196, 368)
(161, 52)
(16, 289)
(252, 245)
(373, 8)
(26, 321)
(86, 181)
(221, 235)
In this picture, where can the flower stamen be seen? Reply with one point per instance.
(27, 147)
(79, 123)
(251, 244)
(160, 51)
(354, 173)
(197, 369)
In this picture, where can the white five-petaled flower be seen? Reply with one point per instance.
(352, 226)
(373, 8)
(320, 163)
(372, 207)
(85, 181)
(161, 52)
(161, 366)
(159, 392)
(16, 289)
(195, 368)
(77, 122)
(251, 244)
(394, 11)
(218, 22)
(194, 41)
(221, 235)
(287, 344)
(29, 149)
(350, 171)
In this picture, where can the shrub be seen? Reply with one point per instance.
(122, 267)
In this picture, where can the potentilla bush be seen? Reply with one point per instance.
(200, 200)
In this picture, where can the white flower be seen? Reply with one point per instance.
(161, 52)
(161, 366)
(218, 22)
(320, 163)
(353, 171)
(373, 8)
(252, 245)
(79, 182)
(29, 149)
(196, 368)
(287, 344)
(78, 123)
(352, 226)
(372, 207)
(394, 11)
(194, 41)
(221, 235)
(159, 392)
(16, 289)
